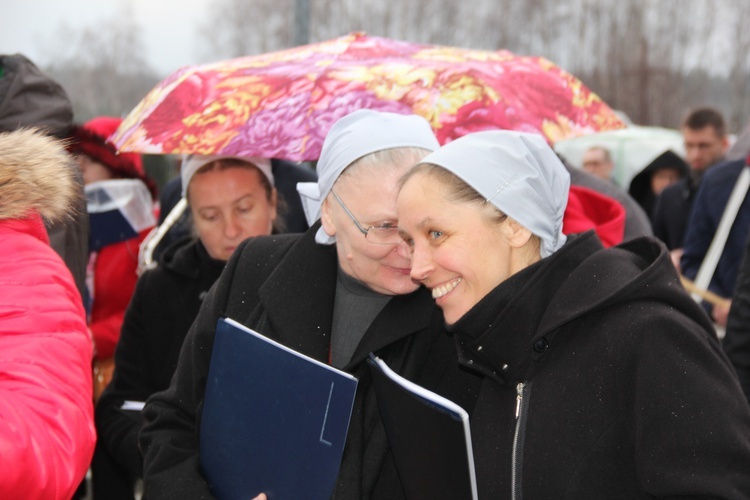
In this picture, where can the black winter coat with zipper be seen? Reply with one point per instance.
(602, 379)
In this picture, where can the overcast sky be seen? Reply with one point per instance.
(168, 26)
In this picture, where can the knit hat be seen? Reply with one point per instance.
(356, 135)
(192, 163)
(91, 139)
(518, 173)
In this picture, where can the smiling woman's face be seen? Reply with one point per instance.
(370, 195)
(458, 251)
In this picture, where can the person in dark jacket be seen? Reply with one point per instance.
(335, 293)
(706, 142)
(602, 378)
(737, 339)
(230, 199)
(663, 171)
(711, 201)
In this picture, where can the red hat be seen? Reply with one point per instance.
(91, 139)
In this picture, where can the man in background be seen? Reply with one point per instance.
(598, 162)
(706, 142)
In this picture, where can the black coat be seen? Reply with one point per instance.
(284, 287)
(672, 211)
(165, 302)
(626, 392)
(737, 340)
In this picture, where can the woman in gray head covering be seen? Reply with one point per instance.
(600, 376)
(363, 156)
(229, 199)
(335, 293)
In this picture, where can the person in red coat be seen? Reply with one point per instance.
(46, 415)
(121, 213)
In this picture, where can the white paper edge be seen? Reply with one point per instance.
(292, 351)
(133, 405)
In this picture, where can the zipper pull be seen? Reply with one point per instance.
(519, 398)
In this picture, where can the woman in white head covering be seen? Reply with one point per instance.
(230, 199)
(335, 293)
(363, 156)
(600, 376)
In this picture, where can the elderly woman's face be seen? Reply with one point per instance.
(372, 201)
(229, 206)
(457, 251)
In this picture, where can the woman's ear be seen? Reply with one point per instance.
(326, 218)
(518, 236)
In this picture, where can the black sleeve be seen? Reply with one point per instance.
(133, 379)
(737, 340)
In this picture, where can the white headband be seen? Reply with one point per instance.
(192, 163)
(356, 135)
(518, 173)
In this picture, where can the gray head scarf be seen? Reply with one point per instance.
(356, 135)
(518, 173)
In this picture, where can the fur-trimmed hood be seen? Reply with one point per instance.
(36, 174)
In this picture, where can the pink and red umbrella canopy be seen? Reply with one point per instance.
(282, 104)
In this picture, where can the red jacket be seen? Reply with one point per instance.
(46, 413)
(115, 275)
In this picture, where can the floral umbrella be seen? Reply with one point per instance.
(282, 104)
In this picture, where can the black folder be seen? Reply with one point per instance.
(274, 420)
(429, 437)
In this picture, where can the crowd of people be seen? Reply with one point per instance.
(564, 313)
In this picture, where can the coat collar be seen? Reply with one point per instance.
(32, 224)
(502, 334)
(510, 330)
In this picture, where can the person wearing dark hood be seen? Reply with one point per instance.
(601, 377)
(647, 185)
(30, 98)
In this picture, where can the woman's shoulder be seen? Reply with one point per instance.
(263, 251)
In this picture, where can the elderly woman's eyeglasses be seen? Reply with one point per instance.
(380, 235)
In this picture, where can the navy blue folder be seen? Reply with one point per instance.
(274, 420)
